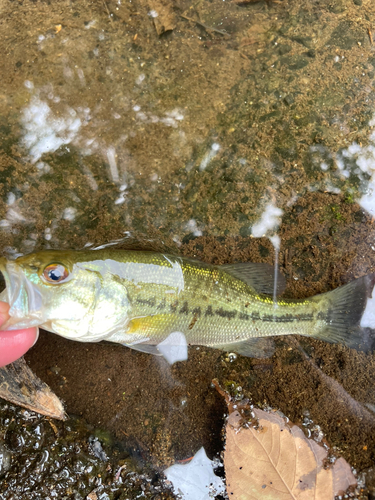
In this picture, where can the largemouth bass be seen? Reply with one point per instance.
(140, 298)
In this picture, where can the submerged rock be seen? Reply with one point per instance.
(48, 459)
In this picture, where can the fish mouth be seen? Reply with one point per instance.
(24, 298)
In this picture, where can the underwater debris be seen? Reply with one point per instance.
(19, 385)
(195, 480)
(163, 15)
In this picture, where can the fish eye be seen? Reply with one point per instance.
(55, 273)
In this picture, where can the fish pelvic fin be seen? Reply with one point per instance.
(148, 348)
(345, 309)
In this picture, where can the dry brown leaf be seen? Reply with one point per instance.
(19, 385)
(163, 15)
(277, 462)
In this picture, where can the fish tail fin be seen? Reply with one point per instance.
(344, 308)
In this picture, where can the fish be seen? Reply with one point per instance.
(139, 299)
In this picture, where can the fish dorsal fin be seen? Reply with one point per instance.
(258, 347)
(259, 276)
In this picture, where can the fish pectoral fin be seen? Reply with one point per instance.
(142, 329)
(148, 325)
(258, 347)
(259, 276)
(173, 348)
(148, 348)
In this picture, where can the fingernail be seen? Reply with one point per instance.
(37, 336)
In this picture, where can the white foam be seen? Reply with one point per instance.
(111, 155)
(192, 226)
(120, 200)
(195, 480)
(43, 167)
(11, 198)
(269, 221)
(367, 201)
(215, 148)
(14, 216)
(176, 114)
(90, 24)
(368, 318)
(364, 157)
(29, 85)
(47, 234)
(90, 178)
(44, 131)
(68, 72)
(81, 76)
(174, 348)
(170, 119)
(275, 240)
(69, 213)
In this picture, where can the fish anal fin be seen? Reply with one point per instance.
(258, 347)
(257, 275)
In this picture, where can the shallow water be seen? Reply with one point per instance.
(111, 133)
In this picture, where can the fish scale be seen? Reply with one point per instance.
(218, 302)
